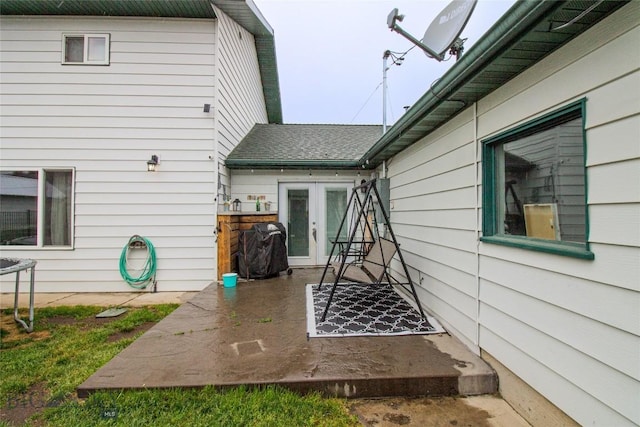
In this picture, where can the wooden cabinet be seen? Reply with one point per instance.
(230, 225)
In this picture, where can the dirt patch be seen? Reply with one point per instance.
(15, 411)
(85, 323)
(414, 412)
(14, 334)
(129, 334)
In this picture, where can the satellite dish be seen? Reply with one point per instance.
(447, 26)
(443, 32)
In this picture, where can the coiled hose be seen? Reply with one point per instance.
(148, 273)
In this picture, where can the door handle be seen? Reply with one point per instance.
(313, 232)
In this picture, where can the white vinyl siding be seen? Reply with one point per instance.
(106, 122)
(245, 183)
(240, 102)
(568, 327)
(433, 216)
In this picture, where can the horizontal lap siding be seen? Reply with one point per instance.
(433, 216)
(246, 184)
(240, 102)
(106, 122)
(570, 327)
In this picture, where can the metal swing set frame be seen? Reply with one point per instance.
(363, 226)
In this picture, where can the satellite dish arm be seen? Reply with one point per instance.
(417, 42)
(391, 22)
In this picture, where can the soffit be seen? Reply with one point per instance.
(509, 48)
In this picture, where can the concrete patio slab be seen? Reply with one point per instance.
(39, 299)
(255, 334)
(130, 299)
(148, 298)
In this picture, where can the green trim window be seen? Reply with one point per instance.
(534, 185)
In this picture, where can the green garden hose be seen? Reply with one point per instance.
(148, 273)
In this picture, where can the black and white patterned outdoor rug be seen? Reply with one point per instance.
(364, 310)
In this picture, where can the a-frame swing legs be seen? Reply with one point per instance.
(361, 213)
(370, 187)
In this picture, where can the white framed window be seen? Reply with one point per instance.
(36, 208)
(85, 49)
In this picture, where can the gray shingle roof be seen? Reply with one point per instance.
(303, 145)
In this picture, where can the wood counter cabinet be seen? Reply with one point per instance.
(230, 225)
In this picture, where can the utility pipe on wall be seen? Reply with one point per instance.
(476, 226)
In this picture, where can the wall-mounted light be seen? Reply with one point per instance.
(153, 163)
(207, 108)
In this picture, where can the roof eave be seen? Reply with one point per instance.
(515, 24)
(292, 164)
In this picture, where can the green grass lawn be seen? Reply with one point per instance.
(41, 370)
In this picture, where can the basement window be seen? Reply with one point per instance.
(36, 208)
(534, 185)
(85, 49)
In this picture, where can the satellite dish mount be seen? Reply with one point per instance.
(443, 35)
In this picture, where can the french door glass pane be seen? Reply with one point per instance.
(298, 238)
(335, 206)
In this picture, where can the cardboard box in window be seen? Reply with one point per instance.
(541, 221)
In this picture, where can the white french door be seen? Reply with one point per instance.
(312, 213)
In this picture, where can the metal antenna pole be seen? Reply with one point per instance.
(386, 55)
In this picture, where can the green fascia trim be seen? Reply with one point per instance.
(267, 62)
(293, 164)
(518, 21)
(574, 250)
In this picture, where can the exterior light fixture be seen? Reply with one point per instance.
(153, 163)
(207, 108)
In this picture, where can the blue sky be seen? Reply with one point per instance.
(330, 55)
